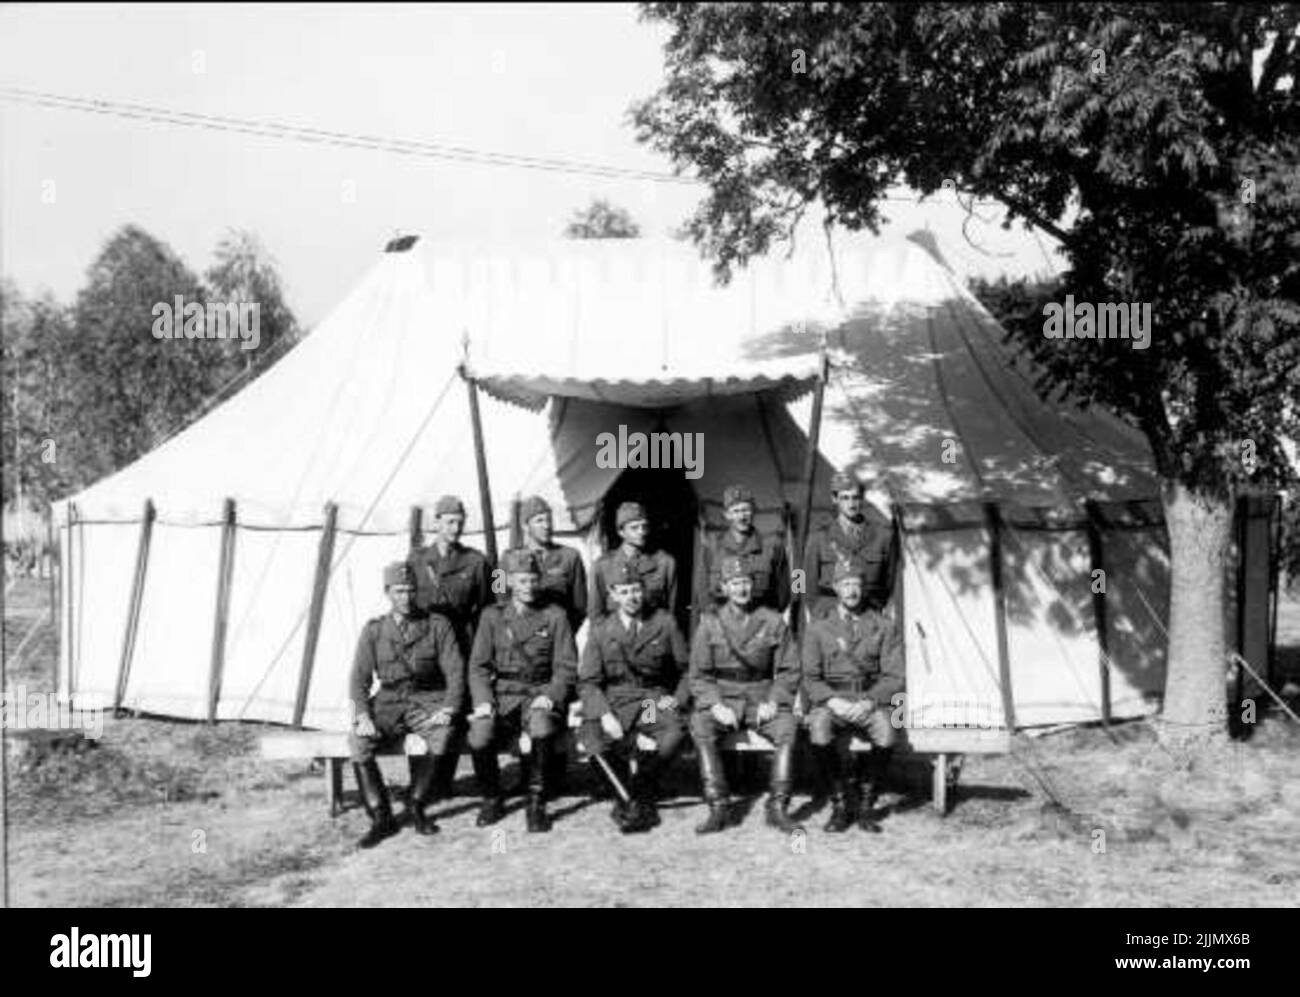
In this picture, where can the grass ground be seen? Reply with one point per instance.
(169, 813)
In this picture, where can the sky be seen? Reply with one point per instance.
(539, 80)
(546, 80)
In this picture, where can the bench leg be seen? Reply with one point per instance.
(940, 783)
(334, 776)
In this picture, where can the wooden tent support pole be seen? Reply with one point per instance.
(1095, 555)
(480, 462)
(324, 556)
(994, 521)
(416, 528)
(56, 617)
(809, 474)
(133, 605)
(516, 522)
(225, 571)
(68, 575)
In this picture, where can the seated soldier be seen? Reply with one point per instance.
(852, 667)
(521, 669)
(421, 688)
(633, 682)
(744, 674)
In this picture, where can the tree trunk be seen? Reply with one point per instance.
(1194, 719)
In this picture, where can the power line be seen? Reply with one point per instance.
(352, 140)
(321, 136)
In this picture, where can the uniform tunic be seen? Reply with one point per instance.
(764, 558)
(743, 659)
(563, 581)
(852, 656)
(627, 671)
(420, 671)
(657, 571)
(458, 586)
(871, 545)
(519, 655)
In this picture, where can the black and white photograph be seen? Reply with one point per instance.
(663, 455)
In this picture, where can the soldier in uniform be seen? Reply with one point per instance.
(522, 667)
(658, 571)
(849, 537)
(563, 579)
(764, 556)
(744, 674)
(852, 667)
(564, 584)
(421, 689)
(455, 581)
(633, 681)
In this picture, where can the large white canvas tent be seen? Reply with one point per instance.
(227, 573)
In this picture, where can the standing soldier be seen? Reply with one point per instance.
(421, 689)
(852, 667)
(764, 556)
(657, 571)
(633, 681)
(564, 579)
(453, 580)
(744, 674)
(521, 669)
(849, 537)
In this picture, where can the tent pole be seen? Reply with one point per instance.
(69, 576)
(810, 473)
(56, 617)
(994, 521)
(133, 605)
(480, 461)
(516, 525)
(324, 555)
(225, 571)
(1095, 555)
(416, 528)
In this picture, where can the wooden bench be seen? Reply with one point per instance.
(948, 745)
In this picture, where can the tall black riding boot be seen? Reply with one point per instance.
(538, 785)
(778, 803)
(444, 770)
(714, 781)
(832, 775)
(873, 769)
(619, 813)
(645, 790)
(488, 775)
(374, 795)
(422, 783)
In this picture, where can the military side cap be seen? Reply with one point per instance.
(398, 573)
(449, 505)
(849, 568)
(623, 573)
(844, 482)
(735, 494)
(519, 559)
(532, 506)
(629, 512)
(735, 567)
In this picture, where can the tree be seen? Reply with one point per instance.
(1144, 121)
(244, 272)
(601, 220)
(130, 387)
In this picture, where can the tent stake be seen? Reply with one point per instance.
(324, 555)
(225, 571)
(994, 520)
(133, 606)
(480, 461)
(1099, 607)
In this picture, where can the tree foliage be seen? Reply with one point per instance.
(602, 220)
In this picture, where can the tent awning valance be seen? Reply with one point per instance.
(532, 391)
